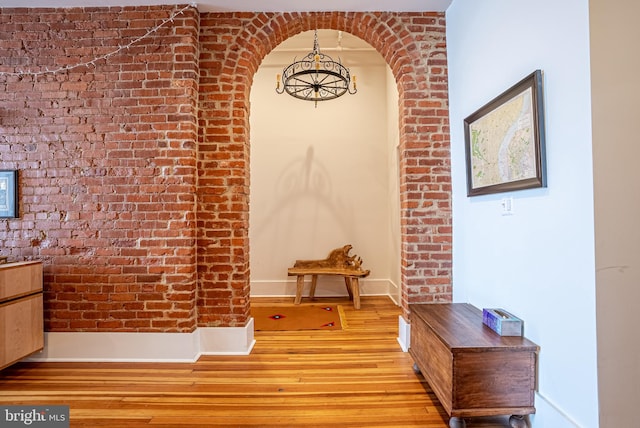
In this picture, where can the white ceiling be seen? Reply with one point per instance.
(340, 45)
(328, 40)
(255, 5)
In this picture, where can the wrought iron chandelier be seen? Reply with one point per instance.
(316, 77)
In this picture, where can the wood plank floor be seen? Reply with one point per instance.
(357, 377)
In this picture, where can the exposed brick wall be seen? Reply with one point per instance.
(106, 154)
(232, 47)
(134, 183)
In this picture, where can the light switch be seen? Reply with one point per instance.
(507, 206)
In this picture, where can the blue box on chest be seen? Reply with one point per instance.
(502, 322)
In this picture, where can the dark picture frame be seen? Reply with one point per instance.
(8, 193)
(505, 140)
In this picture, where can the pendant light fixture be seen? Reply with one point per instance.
(316, 77)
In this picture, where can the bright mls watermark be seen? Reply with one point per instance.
(34, 416)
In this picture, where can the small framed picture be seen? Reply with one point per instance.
(505, 141)
(8, 193)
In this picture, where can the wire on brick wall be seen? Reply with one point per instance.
(101, 57)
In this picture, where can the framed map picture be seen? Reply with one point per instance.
(8, 193)
(504, 141)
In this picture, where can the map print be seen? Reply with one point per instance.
(4, 196)
(502, 143)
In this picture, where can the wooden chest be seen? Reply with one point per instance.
(472, 370)
(21, 314)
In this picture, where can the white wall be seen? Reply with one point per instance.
(393, 141)
(320, 178)
(539, 262)
(615, 90)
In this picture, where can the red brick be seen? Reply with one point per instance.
(115, 230)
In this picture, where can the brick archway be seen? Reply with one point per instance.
(232, 45)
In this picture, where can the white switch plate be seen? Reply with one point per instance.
(507, 206)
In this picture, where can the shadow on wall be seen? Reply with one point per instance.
(303, 181)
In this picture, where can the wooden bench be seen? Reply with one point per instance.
(351, 280)
(338, 262)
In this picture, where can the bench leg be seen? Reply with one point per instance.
(355, 289)
(347, 282)
(299, 287)
(314, 281)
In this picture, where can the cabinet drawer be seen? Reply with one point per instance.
(21, 329)
(20, 279)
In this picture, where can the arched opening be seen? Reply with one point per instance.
(232, 48)
(325, 175)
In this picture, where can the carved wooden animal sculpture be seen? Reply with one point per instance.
(338, 259)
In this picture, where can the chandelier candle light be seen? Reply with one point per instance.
(316, 77)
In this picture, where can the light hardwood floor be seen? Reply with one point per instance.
(357, 377)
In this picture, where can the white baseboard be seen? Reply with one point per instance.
(394, 292)
(188, 347)
(404, 334)
(226, 340)
(325, 287)
(146, 347)
(548, 414)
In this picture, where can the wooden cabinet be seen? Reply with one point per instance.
(472, 370)
(21, 314)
